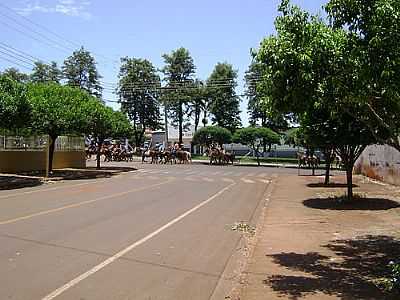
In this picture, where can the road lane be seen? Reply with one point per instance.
(185, 261)
(72, 199)
(187, 258)
(102, 229)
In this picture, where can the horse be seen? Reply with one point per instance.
(153, 154)
(91, 150)
(229, 158)
(166, 157)
(215, 155)
(183, 156)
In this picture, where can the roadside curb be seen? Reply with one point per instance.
(229, 287)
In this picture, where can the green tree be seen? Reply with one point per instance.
(255, 106)
(179, 70)
(199, 103)
(139, 92)
(15, 110)
(224, 102)
(253, 136)
(373, 30)
(309, 70)
(206, 136)
(43, 73)
(16, 75)
(57, 110)
(80, 70)
(103, 122)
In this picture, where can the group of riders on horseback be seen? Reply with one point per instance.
(171, 154)
(176, 153)
(158, 154)
(113, 152)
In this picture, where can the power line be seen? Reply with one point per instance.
(16, 57)
(19, 52)
(14, 63)
(30, 36)
(44, 37)
(54, 33)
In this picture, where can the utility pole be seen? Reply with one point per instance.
(166, 124)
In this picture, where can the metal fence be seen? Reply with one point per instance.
(39, 143)
(70, 143)
(18, 143)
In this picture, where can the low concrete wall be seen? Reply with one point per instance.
(21, 161)
(380, 162)
(69, 159)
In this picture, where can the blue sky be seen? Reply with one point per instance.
(213, 31)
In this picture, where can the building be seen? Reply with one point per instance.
(158, 136)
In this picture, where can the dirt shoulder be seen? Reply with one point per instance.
(311, 247)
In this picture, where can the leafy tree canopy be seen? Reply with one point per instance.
(224, 105)
(140, 95)
(179, 70)
(80, 70)
(43, 73)
(16, 75)
(15, 109)
(212, 135)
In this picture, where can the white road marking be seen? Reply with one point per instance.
(247, 180)
(49, 211)
(121, 253)
(228, 180)
(264, 180)
(50, 189)
(262, 175)
(190, 179)
(208, 179)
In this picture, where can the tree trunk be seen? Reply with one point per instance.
(327, 171)
(180, 116)
(349, 175)
(52, 145)
(257, 156)
(196, 119)
(328, 158)
(98, 155)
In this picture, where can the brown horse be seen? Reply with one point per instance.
(153, 154)
(183, 156)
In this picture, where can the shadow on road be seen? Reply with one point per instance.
(356, 204)
(89, 173)
(349, 275)
(330, 185)
(71, 174)
(17, 182)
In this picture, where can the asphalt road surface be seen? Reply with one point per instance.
(161, 232)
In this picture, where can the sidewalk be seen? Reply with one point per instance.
(309, 247)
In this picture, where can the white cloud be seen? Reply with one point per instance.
(73, 8)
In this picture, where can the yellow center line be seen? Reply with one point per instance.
(46, 212)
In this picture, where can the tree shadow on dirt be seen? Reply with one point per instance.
(350, 275)
(17, 182)
(356, 204)
(330, 185)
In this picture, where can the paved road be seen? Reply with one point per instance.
(161, 232)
